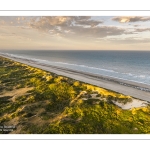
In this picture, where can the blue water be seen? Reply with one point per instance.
(128, 65)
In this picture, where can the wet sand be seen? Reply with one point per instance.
(137, 90)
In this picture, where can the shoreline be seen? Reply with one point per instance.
(134, 89)
(36, 101)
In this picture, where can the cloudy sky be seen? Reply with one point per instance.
(75, 33)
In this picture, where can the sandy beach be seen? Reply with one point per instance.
(137, 90)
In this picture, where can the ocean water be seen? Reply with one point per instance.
(127, 65)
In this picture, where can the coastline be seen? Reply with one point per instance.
(137, 90)
(41, 102)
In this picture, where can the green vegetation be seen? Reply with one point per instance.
(36, 101)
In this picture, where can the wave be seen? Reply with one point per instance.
(136, 76)
(63, 63)
(83, 66)
(102, 71)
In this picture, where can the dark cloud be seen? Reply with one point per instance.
(91, 23)
(131, 19)
(86, 21)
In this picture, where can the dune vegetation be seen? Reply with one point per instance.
(40, 102)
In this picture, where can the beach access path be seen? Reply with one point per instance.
(134, 89)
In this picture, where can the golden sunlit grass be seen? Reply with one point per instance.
(43, 102)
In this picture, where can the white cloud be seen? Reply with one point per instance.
(82, 26)
(125, 19)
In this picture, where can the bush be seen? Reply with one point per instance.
(61, 92)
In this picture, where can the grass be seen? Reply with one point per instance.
(55, 105)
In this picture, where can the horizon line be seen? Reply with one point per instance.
(68, 50)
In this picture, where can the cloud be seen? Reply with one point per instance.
(13, 20)
(75, 26)
(136, 25)
(142, 29)
(62, 30)
(131, 19)
(91, 23)
(49, 22)
(86, 21)
(68, 26)
(130, 40)
(100, 31)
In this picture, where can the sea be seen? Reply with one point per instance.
(127, 65)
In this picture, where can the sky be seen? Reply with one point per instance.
(75, 33)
